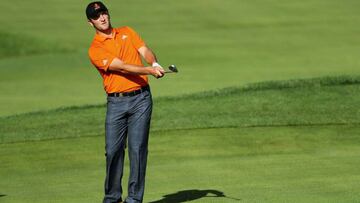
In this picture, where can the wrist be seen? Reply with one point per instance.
(154, 64)
(150, 70)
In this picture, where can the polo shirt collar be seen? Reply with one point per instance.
(102, 38)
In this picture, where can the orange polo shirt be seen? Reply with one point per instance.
(123, 45)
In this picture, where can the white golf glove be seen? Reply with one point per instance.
(156, 64)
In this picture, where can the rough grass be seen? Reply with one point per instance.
(321, 101)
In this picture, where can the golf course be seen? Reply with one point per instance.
(265, 106)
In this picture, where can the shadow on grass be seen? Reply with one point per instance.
(190, 195)
(2, 195)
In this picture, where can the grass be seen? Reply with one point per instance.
(15, 45)
(321, 101)
(278, 164)
(250, 41)
(217, 126)
(290, 141)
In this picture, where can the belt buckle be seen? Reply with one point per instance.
(119, 94)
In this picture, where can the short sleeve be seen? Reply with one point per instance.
(100, 58)
(135, 38)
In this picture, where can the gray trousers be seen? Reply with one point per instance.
(127, 118)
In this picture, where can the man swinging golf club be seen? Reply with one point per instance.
(116, 53)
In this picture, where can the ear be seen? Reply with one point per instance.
(91, 24)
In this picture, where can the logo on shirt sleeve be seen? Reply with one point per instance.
(105, 61)
(123, 37)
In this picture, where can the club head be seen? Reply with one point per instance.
(172, 69)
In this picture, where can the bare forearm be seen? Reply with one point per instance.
(150, 57)
(131, 69)
(148, 54)
(119, 66)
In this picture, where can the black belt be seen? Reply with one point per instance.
(129, 94)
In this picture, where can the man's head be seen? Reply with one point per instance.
(98, 16)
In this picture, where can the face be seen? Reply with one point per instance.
(101, 22)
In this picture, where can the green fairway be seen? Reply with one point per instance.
(280, 164)
(214, 43)
(289, 141)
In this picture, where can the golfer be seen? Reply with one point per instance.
(116, 53)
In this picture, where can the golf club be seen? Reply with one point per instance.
(172, 69)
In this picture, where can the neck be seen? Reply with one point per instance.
(106, 33)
